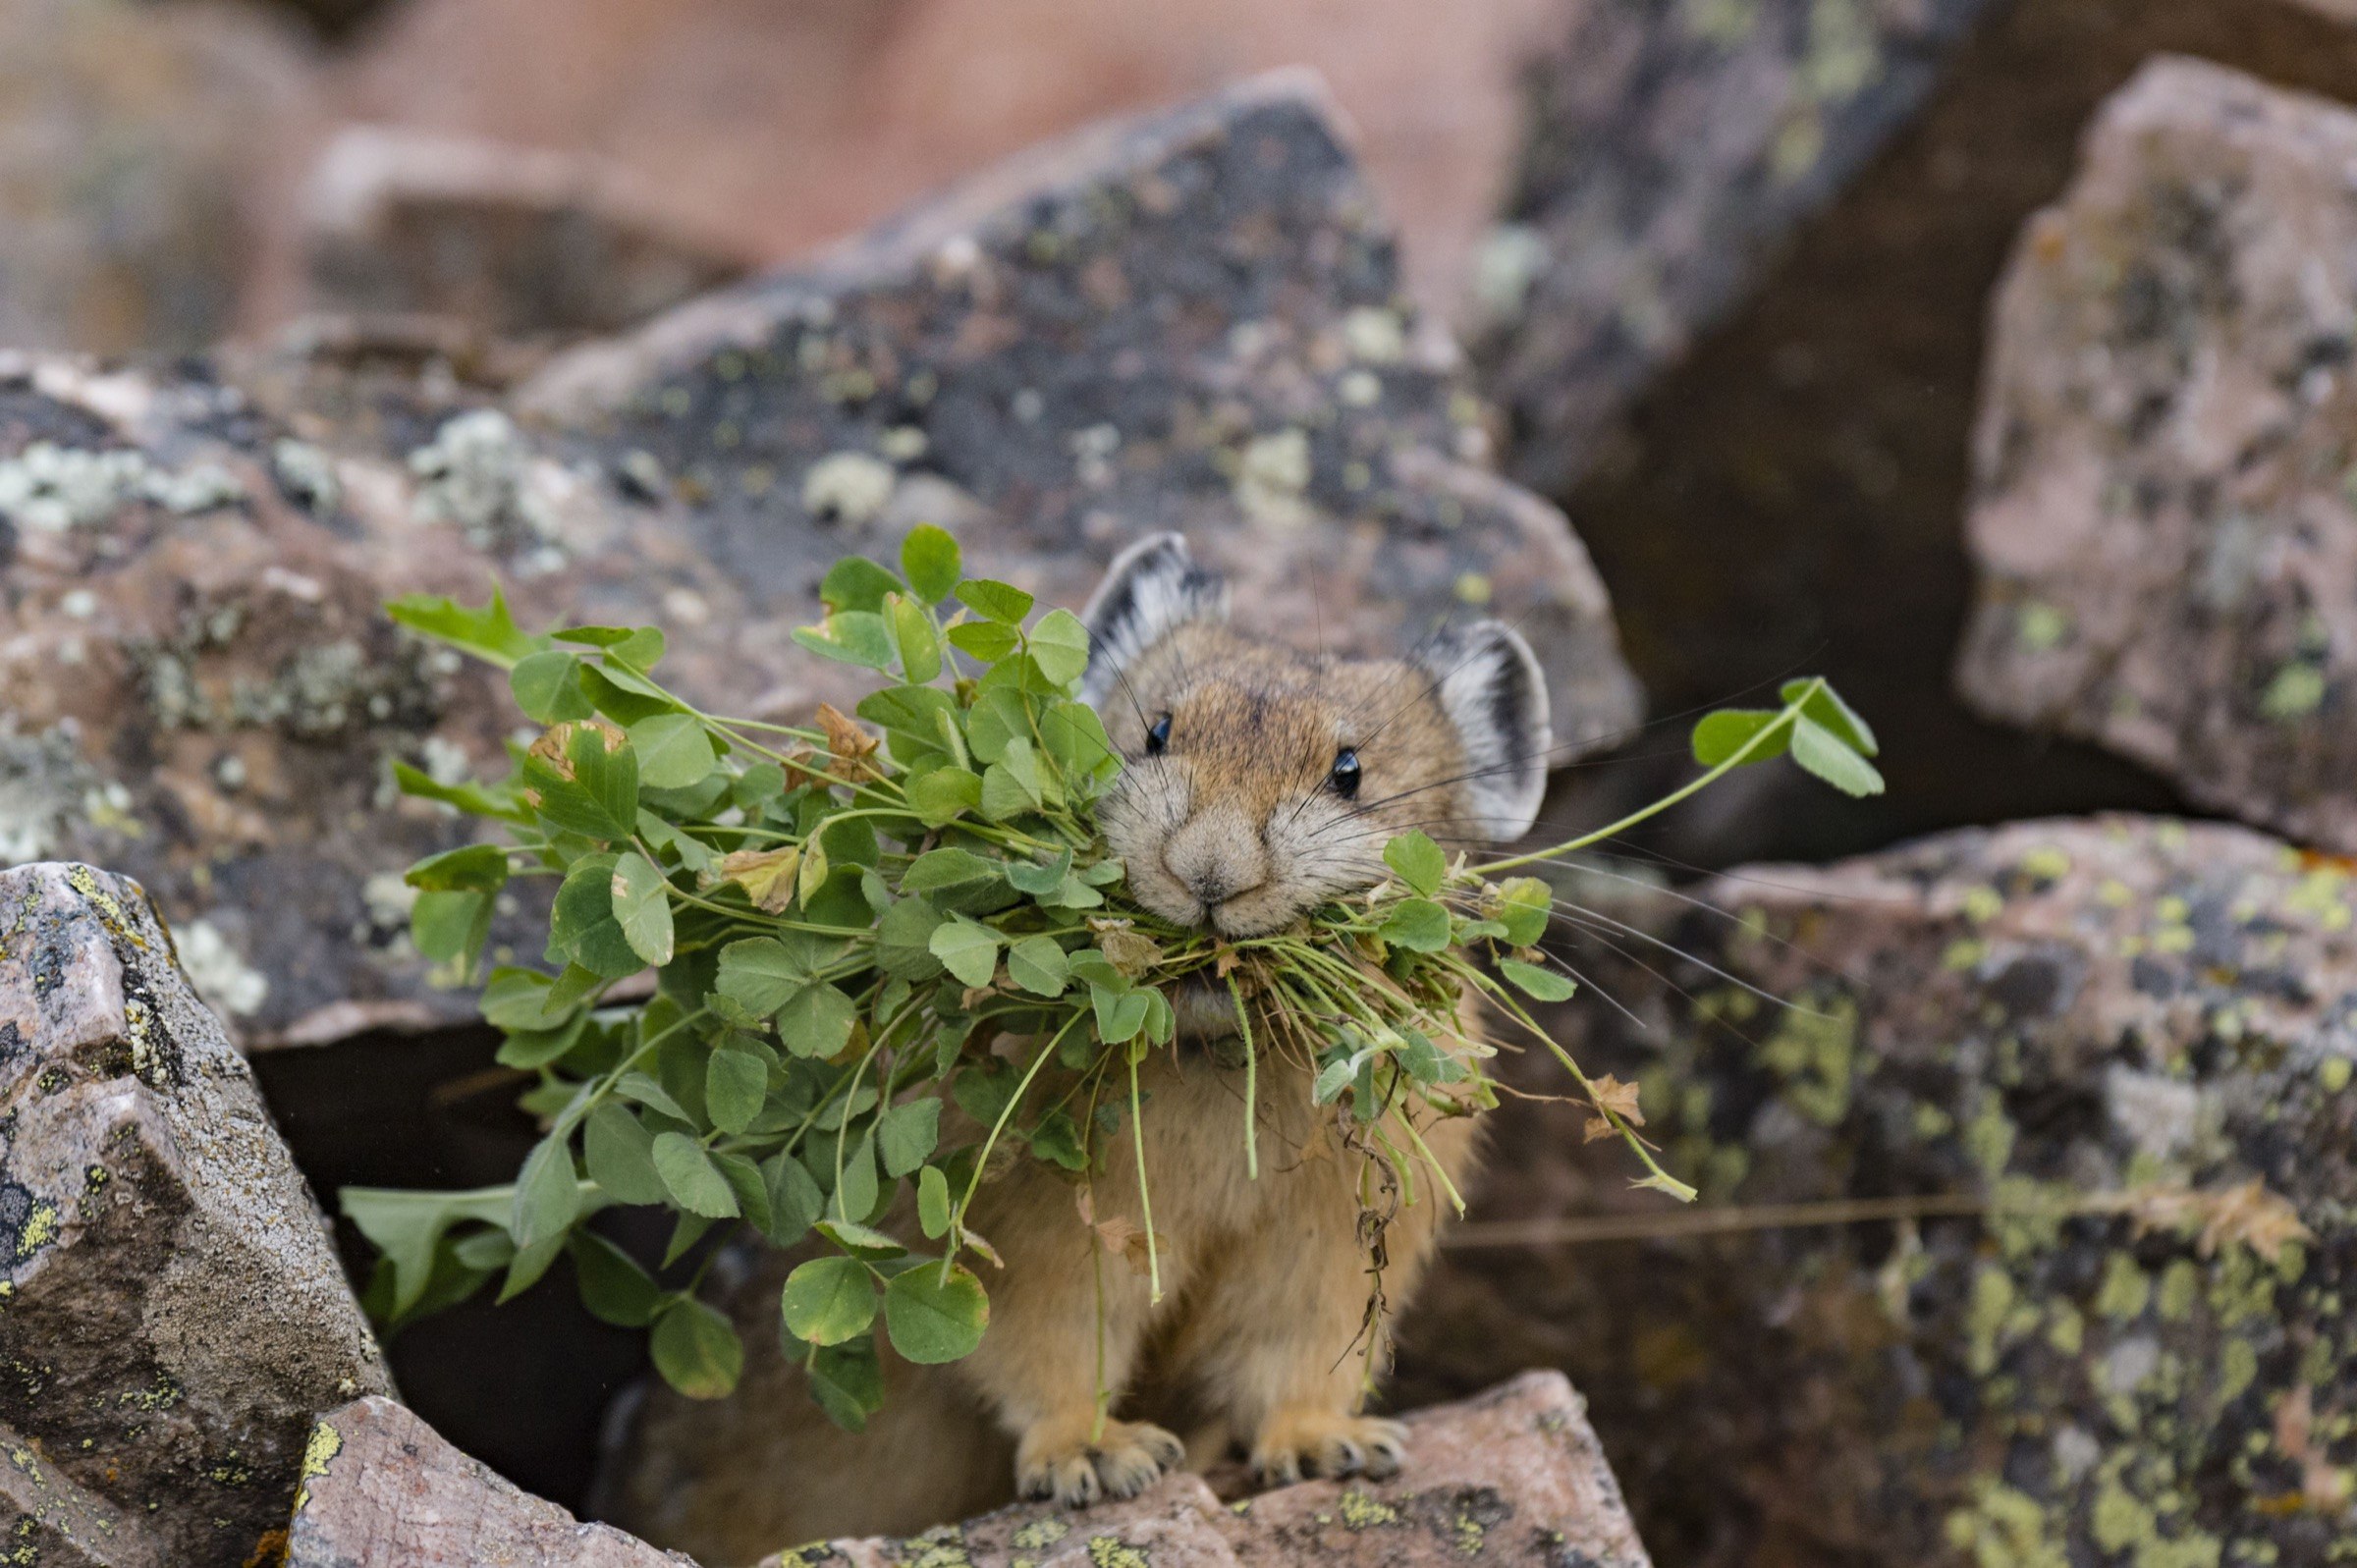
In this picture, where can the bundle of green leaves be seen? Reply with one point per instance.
(840, 921)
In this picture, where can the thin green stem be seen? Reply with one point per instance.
(1243, 1024)
(1145, 1202)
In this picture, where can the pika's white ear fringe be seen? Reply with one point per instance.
(1494, 692)
(1151, 588)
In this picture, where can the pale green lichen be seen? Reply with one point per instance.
(317, 1454)
(2004, 1529)
(1110, 1552)
(1814, 1054)
(1042, 1532)
(1361, 1511)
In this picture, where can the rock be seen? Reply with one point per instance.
(204, 690)
(1815, 447)
(171, 1315)
(1510, 1475)
(2164, 526)
(2098, 1071)
(1192, 320)
(127, 169)
(379, 1486)
(1669, 152)
(509, 240)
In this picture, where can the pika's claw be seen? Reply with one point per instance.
(1128, 1458)
(1298, 1443)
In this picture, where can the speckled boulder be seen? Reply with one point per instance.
(1512, 1476)
(2164, 526)
(2110, 1063)
(171, 1315)
(381, 1489)
(1670, 149)
(508, 240)
(1192, 320)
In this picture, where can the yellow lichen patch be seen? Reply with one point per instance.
(1361, 1511)
(2004, 1529)
(1472, 1537)
(326, 1442)
(41, 1226)
(1110, 1552)
(1041, 1533)
(82, 880)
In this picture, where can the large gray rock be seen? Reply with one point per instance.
(2163, 526)
(171, 1315)
(1670, 149)
(1193, 322)
(508, 240)
(2104, 1068)
(381, 1489)
(1512, 1475)
(1190, 320)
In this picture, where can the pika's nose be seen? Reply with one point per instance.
(1216, 856)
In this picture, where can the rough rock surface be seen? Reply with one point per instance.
(509, 240)
(2107, 1029)
(1512, 1475)
(1668, 150)
(1192, 320)
(2165, 524)
(1814, 448)
(381, 1488)
(171, 1311)
(128, 138)
(203, 690)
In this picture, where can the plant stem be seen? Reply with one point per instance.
(1243, 1024)
(1145, 1203)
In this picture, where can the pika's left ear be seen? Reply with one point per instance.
(1151, 588)
(1490, 685)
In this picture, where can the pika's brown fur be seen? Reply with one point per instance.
(1230, 811)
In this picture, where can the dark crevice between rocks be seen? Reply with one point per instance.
(522, 1387)
(1791, 498)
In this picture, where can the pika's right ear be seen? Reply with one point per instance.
(1151, 588)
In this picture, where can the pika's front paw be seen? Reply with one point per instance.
(1126, 1458)
(1318, 1442)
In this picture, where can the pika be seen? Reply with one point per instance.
(1258, 781)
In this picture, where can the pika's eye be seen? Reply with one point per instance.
(1158, 736)
(1345, 778)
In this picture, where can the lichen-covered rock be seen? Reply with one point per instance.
(1512, 1475)
(509, 240)
(128, 134)
(380, 1486)
(2105, 1066)
(1668, 151)
(171, 1315)
(1192, 320)
(2166, 525)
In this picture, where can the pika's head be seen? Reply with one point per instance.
(1259, 780)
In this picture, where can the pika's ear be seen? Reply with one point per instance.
(1151, 587)
(1490, 685)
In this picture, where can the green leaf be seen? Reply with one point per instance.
(1526, 905)
(697, 1350)
(643, 907)
(1417, 861)
(621, 1154)
(905, 939)
(1075, 738)
(930, 561)
(582, 924)
(1060, 647)
(952, 868)
(517, 998)
(695, 1183)
(674, 751)
(847, 1380)
(736, 1083)
(746, 1181)
(547, 686)
(473, 798)
(477, 868)
(1821, 753)
(931, 1319)
(913, 636)
(1419, 925)
(548, 1195)
(1005, 795)
(1057, 1138)
(406, 1226)
(1120, 1014)
(986, 640)
(969, 950)
(995, 601)
(816, 1020)
(449, 925)
(859, 1238)
(763, 973)
(907, 1133)
(851, 636)
(933, 1202)
(1544, 984)
(638, 1087)
(857, 583)
(1720, 735)
(489, 633)
(829, 1300)
(794, 1201)
(941, 796)
(1828, 710)
(856, 1194)
(1039, 965)
(613, 1287)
